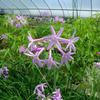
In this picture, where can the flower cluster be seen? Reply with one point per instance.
(58, 19)
(3, 36)
(57, 95)
(39, 91)
(18, 21)
(65, 47)
(97, 64)
(4, 72)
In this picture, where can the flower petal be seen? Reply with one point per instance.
(50, 45)
(60, 32)
(52, 30)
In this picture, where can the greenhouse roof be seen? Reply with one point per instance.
(83, 8)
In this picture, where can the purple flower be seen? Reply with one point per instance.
(5, 72)
(57, 95)
(50, 62)
(97, 64)
(57, 19)
(70, 43)
(66, 57)
(32, 41)
(35, 56)
(61, 20)
(54, 39)
(22, 49)
(18, 25)
(19, 17)
(34, 48)
(98, 53)
(39, 91)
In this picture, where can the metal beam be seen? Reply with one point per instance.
(36, 7)
(52, 9)
(25, 6)
(61, 7)
(16, 7)
(48, 7)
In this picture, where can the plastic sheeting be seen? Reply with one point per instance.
(83, 8)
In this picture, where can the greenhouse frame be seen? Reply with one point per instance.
(83, 8)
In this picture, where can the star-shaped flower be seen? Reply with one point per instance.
(22, 49)
(54, 38)
(57, 95)
(50, 62)
(97, 64)
(66, 57)
(39, 90)
(31, 40)
(70, 43)
(35, 56)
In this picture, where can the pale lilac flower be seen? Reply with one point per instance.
(98, 53)
(57, 95)
(19, 17)
(61, 20)
(50, 62)
(31, 40)
(39, 91)
(34, 48)
(66, 57)
(57, 19)
(22, 49)
(54, 39)
(18, 25)
(97, 64)
(70, 43)
(35, 56)
(36, 59)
